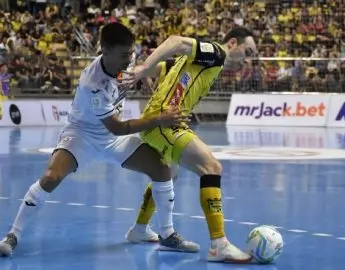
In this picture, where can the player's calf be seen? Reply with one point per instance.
(61, 164)
(146, 160)
(32, 202)
(198, 158)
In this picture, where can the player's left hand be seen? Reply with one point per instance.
(130, 78)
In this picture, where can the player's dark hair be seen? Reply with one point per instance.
(238, 32)
(114, 34)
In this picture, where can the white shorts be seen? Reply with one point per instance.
(86, 150)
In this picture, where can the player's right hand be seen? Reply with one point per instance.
(173, 117)
(130, 78)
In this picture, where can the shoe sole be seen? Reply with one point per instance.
(234, 261)
(5, 250)
(165, 248)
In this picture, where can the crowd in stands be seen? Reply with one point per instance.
(37, 40)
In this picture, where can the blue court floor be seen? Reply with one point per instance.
(290, 178)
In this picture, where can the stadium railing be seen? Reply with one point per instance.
(269, 74)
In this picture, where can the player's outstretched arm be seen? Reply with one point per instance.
(174, 45)
(168, 118)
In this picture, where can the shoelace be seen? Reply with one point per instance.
(11, 240)
(176, 238)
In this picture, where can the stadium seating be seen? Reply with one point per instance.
(295, 29)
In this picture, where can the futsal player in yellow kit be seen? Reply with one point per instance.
(183, 82)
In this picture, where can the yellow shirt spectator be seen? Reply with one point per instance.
(287, 35)
(299, 38)
(201, 32)
(296, 10)
(311, 37)
(313, 11)
(48, 37)
(55, 8)
(282, 53)
(285, 17)
(125, 21)
(42, 45)
(276, 37)
(332, 28)
(189, 30)
(16, 25)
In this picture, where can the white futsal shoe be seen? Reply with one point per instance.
(228, 253)
(8, 244)
(137, 235)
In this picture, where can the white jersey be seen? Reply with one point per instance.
(97, 97)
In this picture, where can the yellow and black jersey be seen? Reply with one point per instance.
(185, 80)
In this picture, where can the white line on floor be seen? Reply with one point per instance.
(52, 202)
(297, 231)
(100, 206)
(76, 204)
(322, 234)
(196, 217)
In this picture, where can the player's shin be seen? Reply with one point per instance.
(148, 205)
(32, 202)
(147, 208)
(163, 195)
(211, 203)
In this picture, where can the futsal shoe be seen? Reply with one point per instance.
(228, 253)
(135, 235)
(175, 242)
(8, 244)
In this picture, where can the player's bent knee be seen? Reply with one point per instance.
(51, 179)
(160, 173)
(212, 166)
(217, 167)
(148, 161)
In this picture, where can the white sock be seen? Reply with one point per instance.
(33, 200)
(163, 195)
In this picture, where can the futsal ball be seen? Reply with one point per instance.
(265, 244)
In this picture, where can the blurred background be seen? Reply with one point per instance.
(45, 44)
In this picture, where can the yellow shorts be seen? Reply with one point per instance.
(169, 142)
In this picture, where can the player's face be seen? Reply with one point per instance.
(120, 57)
(239, 55)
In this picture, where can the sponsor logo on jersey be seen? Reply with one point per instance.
(206, 47)
(179, 90)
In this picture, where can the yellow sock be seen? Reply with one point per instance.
(211, 203)
(147, 208)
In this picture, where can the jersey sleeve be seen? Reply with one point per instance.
(101, 106)
(208, 54)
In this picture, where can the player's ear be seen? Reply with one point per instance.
(232, 43)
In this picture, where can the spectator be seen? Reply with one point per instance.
(60, 79)
(5, 80)
(283, 29)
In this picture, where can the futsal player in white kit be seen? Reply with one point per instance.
(94, 132)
